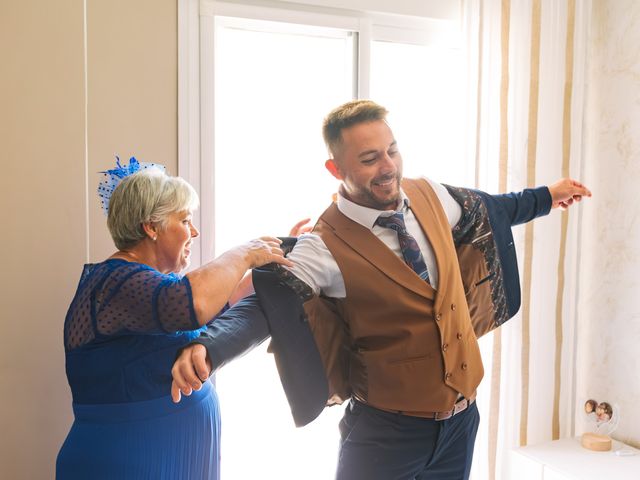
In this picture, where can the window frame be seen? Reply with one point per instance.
(196, 87)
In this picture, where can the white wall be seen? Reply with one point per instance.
(609, 309)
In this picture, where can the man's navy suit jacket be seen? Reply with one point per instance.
(276, 311)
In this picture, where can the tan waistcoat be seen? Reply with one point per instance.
(393, 341)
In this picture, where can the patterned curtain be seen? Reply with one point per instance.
(526, 92)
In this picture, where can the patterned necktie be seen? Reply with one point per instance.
(408, 245)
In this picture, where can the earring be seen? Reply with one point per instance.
(154, 238)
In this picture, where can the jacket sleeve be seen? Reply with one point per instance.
(521, 207)
(504, 212)
(293, 346)
(235, 332)
(277, 310)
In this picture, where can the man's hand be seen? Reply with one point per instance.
(189, 371)
(300, 228)
(566, 191)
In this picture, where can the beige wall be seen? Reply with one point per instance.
(609, 309)
(132, 92)
(132, 110)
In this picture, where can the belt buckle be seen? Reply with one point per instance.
(440, 416)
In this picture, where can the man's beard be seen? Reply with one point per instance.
(378, 204)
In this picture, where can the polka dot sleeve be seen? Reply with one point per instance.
(142, 300)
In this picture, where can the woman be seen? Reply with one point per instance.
(130, 315)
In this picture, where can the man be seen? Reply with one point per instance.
(399, 278)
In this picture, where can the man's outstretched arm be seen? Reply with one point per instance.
(191, 368)
(567, 191)
(531, 203)
(231, 335)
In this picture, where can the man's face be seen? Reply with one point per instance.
(369, 164)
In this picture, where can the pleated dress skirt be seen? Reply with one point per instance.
(154, 439)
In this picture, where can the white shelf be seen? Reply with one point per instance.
(566, 459)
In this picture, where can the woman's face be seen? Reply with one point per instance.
(173, 245)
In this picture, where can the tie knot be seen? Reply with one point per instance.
(395, 222)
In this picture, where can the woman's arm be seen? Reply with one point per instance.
(213, 284)
(245, 286)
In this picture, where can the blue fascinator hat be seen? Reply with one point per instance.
(111, 178)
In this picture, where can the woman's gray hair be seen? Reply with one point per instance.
(147, 196)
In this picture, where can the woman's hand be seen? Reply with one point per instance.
(213, 284)
(265, 250)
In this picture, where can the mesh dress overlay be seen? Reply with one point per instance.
(121, 334)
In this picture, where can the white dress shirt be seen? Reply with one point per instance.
(314, 264)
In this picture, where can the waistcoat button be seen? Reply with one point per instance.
(453, 306)
(464, 366)
(444, 347)
(447, 376)
(459, 336)
(438, 317)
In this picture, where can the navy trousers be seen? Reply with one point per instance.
(378, 445)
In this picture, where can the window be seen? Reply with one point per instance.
(273, 83)
(421, 87)
(250, 140)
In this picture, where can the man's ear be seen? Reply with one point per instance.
(333, 168)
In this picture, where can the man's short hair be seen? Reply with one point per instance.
(347, 115)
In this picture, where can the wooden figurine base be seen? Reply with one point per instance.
(596, 442)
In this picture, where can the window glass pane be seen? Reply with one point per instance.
(422, 87)
(273, 90)
(274, 85)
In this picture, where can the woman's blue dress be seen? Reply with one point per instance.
(122, 332)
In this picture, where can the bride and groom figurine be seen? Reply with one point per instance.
(601, 420)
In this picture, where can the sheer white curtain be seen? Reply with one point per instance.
(526, 80)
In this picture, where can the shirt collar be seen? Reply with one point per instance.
(366, 216)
